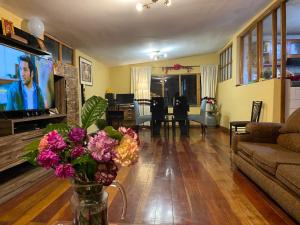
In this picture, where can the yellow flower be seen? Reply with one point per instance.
(127, 151)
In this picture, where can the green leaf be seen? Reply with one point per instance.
(62, 128)
(31, 157)
(101, 124)
(31, 152)
(85, 164)
(113, 133)
(92, 110)
(32, 146)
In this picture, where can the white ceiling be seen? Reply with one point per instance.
(115, 33)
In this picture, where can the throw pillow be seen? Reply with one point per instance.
(290, 141)
(292, 124)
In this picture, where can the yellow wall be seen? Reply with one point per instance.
(10, 16)
(235, 102)
(100, 77)
(120, 76)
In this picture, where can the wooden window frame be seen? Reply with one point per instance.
(226, 64)
(258, 24)
(198, 86)
(61, 44)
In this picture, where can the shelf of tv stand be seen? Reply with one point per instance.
(18, 125)
(41, 117)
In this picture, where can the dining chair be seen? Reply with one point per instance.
(158, 112)
(180, 111)
(241, 125)
(139, 118)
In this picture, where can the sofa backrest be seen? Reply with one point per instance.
(290, 132)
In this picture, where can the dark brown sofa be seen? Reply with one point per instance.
(269, 154)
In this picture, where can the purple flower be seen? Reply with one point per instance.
(106, 173)
(102, 147)
(47, 159)
(77, 151)
(77, 134)
(64, 170)
(56, 142)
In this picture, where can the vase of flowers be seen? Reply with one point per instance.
(91, 161)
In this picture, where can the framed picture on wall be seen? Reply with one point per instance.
(85, 71)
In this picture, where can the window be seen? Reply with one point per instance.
(267, 44)
(67, 55)
(261, 48)
(169, 86)
(60, 52)
(189, 88)
(226, 64)
(52, 47)
(249, 45)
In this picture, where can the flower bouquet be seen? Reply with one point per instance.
(92, 161)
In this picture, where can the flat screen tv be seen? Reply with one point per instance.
(26, 81)
(124, 98)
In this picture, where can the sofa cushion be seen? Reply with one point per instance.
(292, 125)
(247, 148)
(269, 157)
(290, 176)
(290, 141)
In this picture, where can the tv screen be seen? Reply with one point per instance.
(124, 98)
(26, 80)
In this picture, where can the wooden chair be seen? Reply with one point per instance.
(158, 112)
(180, 111)
(255, 114)
(141, 118)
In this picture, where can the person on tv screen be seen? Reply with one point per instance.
(25, 94)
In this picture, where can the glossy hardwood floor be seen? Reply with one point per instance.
(180, 181)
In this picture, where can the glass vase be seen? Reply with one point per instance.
(89, 204)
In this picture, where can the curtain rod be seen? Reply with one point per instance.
(161, 67)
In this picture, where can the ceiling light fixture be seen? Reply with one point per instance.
(156, 55)
(140, 6)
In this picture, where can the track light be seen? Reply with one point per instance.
(140, 6)
(168, 3)
(157, 55)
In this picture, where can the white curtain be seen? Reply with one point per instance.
(209, 80)
(140, 85)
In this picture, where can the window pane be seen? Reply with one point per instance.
(189, 88)
(52, 47)
(267, 48)
(245, 58)
(171, 88)
(156, 86)
(253, 55)
(67, 55)
(279, 42)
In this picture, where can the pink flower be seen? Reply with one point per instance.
(43, 143)
(130, 132)
(77, 134)
(77, 151)
(127, 151)
(56, 142)
(101, 147)
(65, 170)
(47, 159)
(106, 173)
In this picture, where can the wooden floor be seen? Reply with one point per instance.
(178, 181)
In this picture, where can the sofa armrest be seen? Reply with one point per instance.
(240, 137)
(263, 132)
